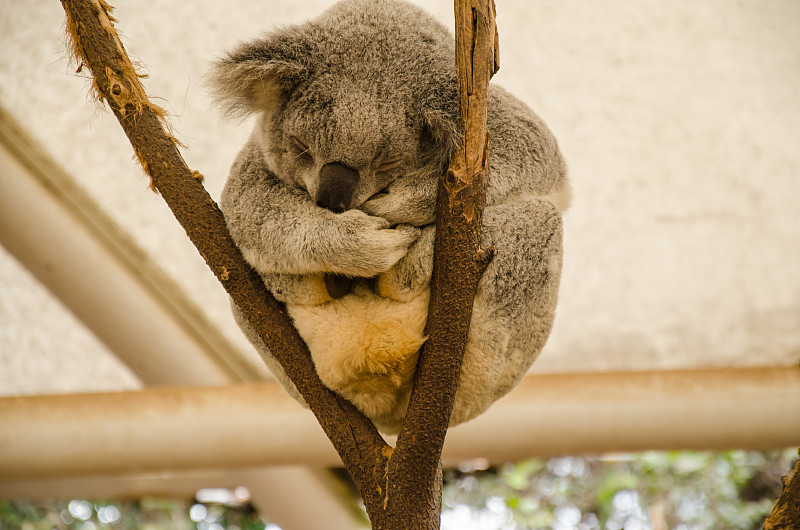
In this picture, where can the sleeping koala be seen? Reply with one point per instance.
(333, 201)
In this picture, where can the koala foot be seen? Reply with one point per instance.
(298, 289)
(393, 286)
(365, 348)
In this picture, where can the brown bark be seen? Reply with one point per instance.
(786, 513)
(401, 487)
(97, 46)
(459, 263)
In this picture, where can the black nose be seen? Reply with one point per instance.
(337, 183)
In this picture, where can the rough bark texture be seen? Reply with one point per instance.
(401, 487)
(456, 273)
(786, 514)
(97, 46)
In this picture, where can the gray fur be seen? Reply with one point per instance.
(368, 90)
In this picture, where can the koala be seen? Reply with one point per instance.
(333, 201)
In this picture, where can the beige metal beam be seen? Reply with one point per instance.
(158, 429)
(61, 236)
(276, 491)
(58, 233)
(258, 425)
(714, 409)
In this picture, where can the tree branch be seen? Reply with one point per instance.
(786, 513)
(402, 487)
(95, 44)
(459, 263)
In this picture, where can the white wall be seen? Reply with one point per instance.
(679, 120)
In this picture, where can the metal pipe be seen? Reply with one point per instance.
(258, 425)
(64, 239)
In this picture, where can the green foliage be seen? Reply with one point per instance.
(143, 514)
(652, 490)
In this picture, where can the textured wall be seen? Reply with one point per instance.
(680, 122)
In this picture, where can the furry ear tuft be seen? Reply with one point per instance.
(444, 133)
(438, 106)
(250, 79)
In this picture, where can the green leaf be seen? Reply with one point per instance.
(518, 475)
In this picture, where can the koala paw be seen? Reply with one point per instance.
(407, 202)
(379, 206)
(374, 247)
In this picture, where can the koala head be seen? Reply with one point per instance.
(357, 108)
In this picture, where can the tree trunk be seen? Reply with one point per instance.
(401, 487)
(459, 263)
(786, 514)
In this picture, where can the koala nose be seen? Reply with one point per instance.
(337, 183)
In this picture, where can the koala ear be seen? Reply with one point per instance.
(441, 119)
(442, 133)
(442, 130)
(256, 76)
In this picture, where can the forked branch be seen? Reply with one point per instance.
(401, 487)
(459, 263)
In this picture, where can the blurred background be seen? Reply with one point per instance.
(678, 325)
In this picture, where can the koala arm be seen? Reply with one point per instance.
(412, 273)
(279, 229)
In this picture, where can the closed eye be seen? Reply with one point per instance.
(303, 151)
(382, 193)
(386, 166)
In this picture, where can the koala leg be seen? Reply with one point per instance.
(515, 302)
(412, 274)
(298, 289)
(365, 347)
